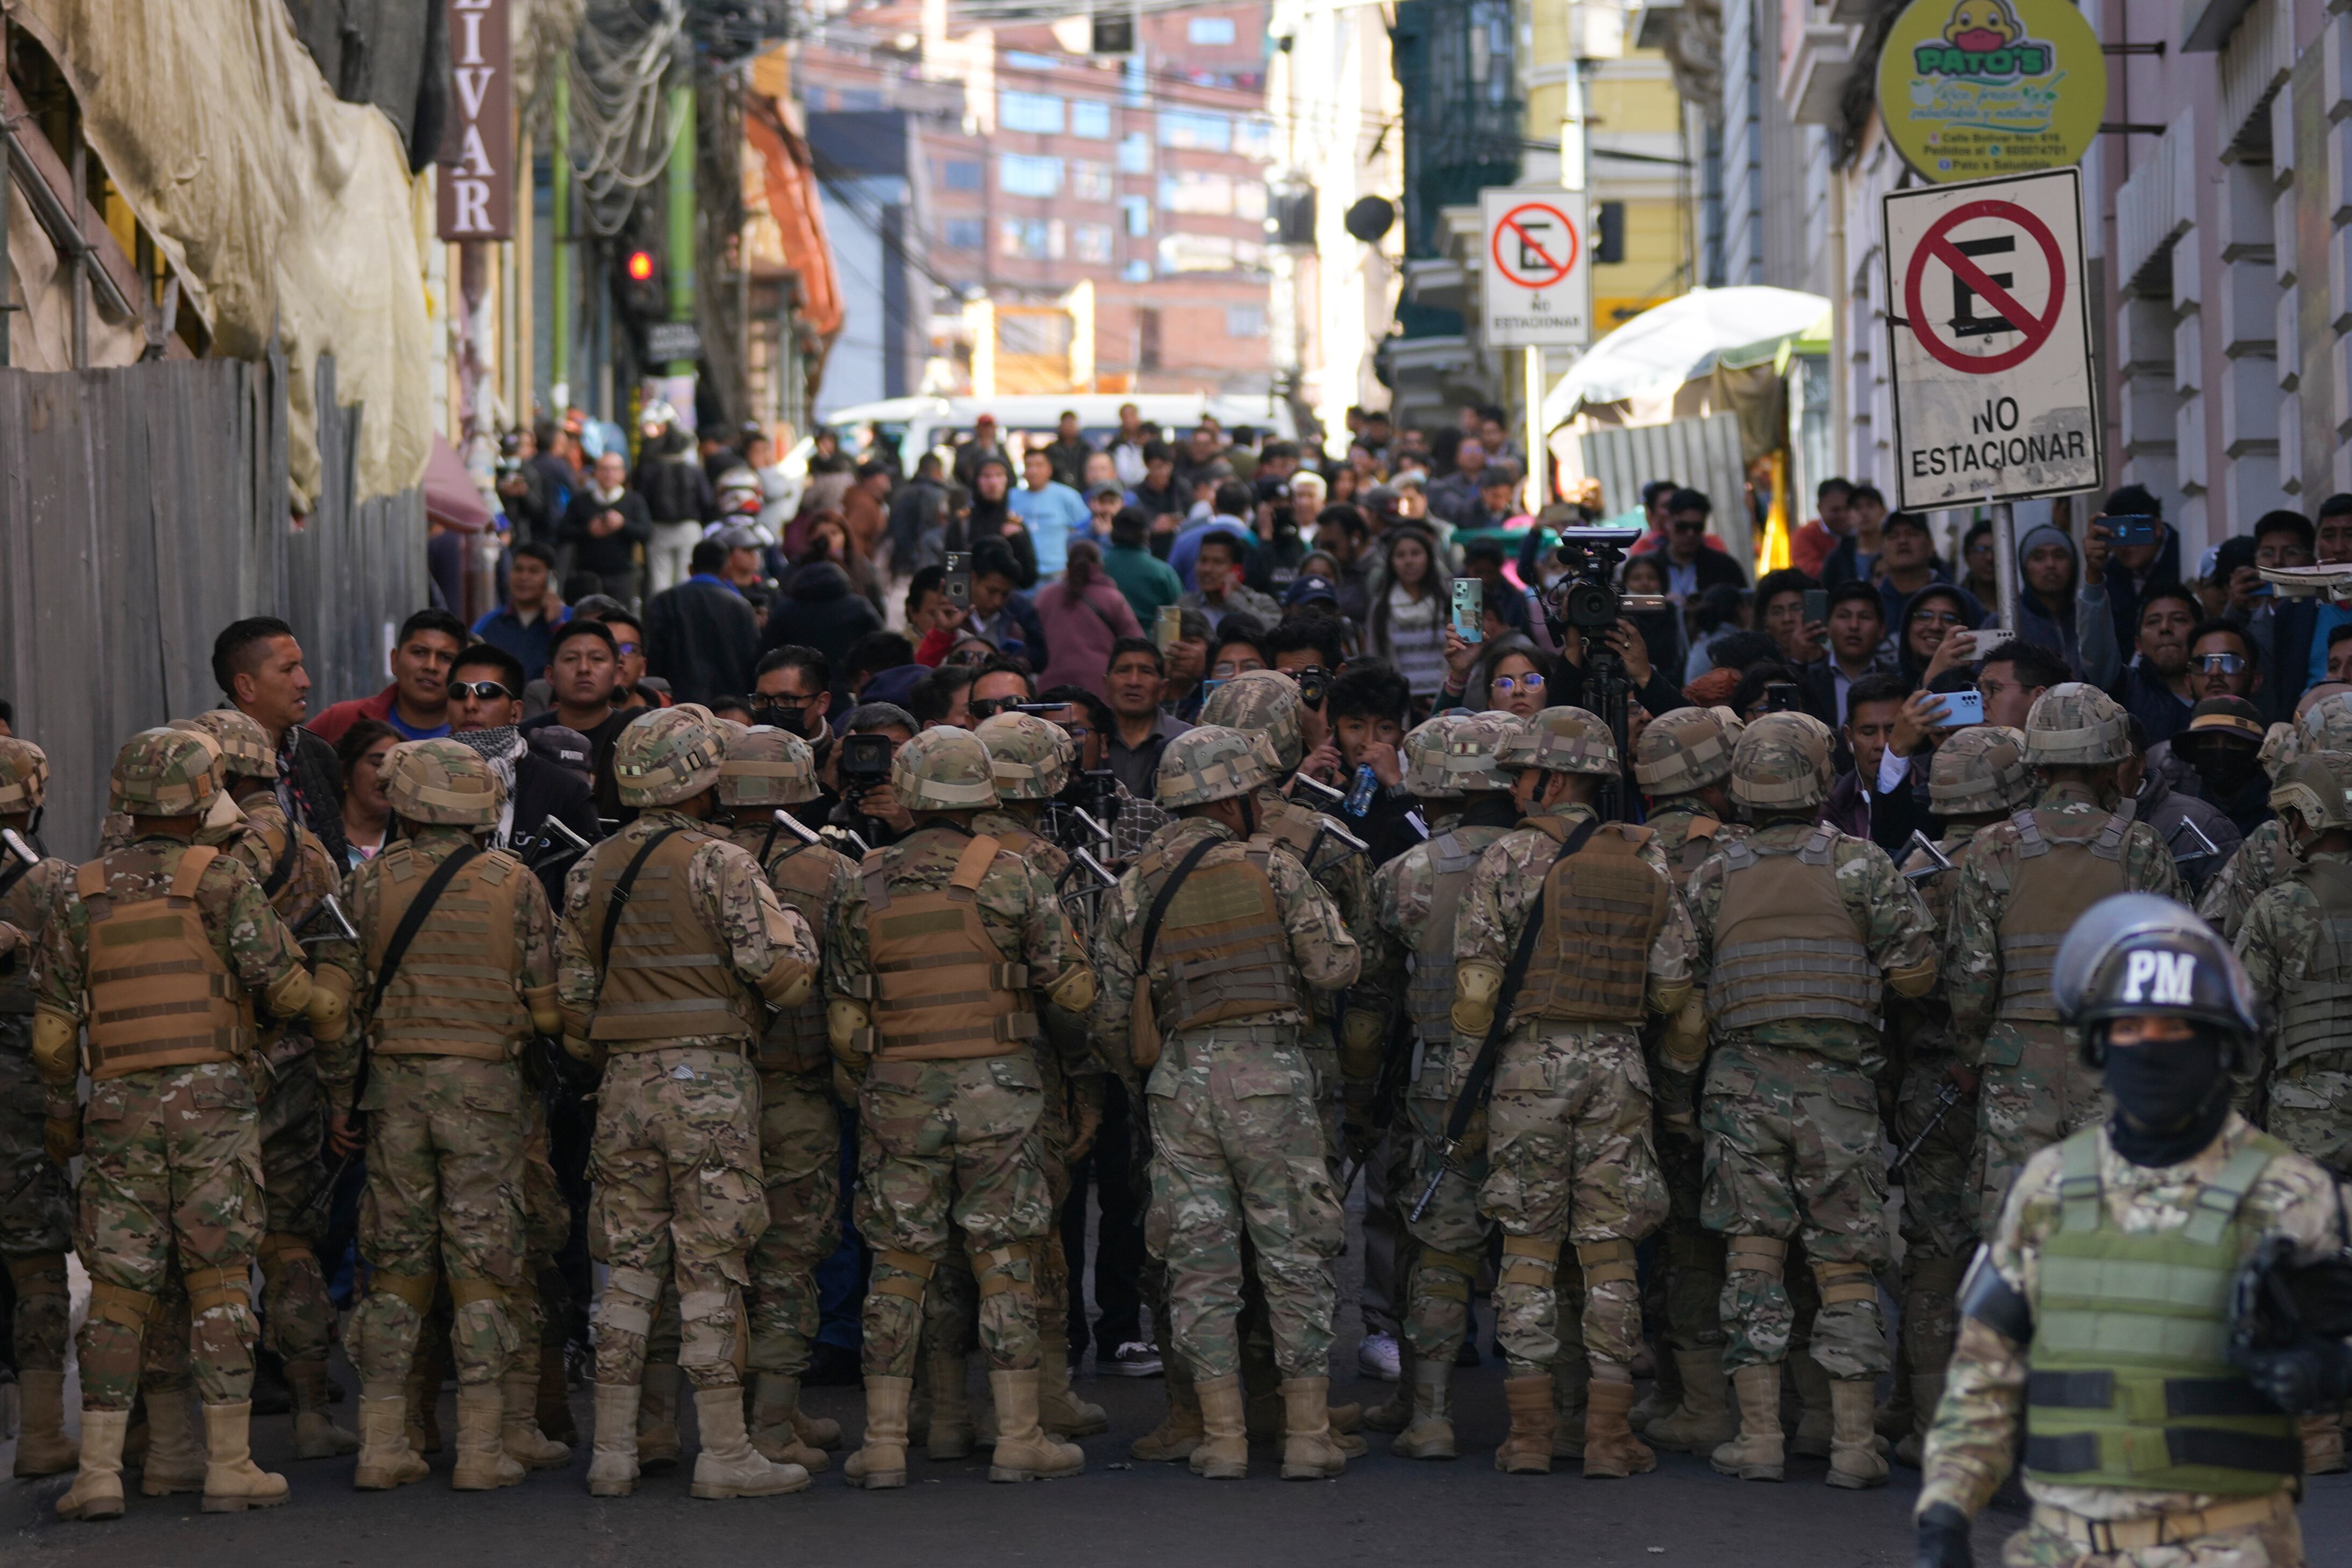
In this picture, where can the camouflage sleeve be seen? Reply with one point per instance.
(1114, 972)
(1900, 933)
(1048, 946)
(57, 970)
(314, 878)
(2232, 891)
(575, 954)
(1972, 973)
(339, 1060)
(1702, 897)
(1326, 956)
(1670, 949)
(2263, 947)
(1380, 979)
(1495, 904)
(2149, 865)
(845, 939)
(534, 936)
(744, 912)
(246, 933)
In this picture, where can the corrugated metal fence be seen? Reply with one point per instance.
(1702, 452)
(143, 510)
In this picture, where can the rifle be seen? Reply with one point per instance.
(1389, 1086)
(1939, 863)
(1948, 1095)
(344, 931)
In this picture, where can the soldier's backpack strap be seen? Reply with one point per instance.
(1158, 912)
(190, 870)
(1449, 856)
(2217, 1202)
(2030, 842)
(2109, 845)
(411, 921)
(1738, 854)
(973, 864)
(1703, 827)
(1817, 847)
(284, 868)
(2080, 1205)
(613, 906)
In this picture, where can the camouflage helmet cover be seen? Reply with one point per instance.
(245, 751)
(2281, 746)
(1981, 769)
(1474, 750)
(2317, 787)
(2075, 725)
(165, 773)
(1213, 762)
(1683, 750)
(444, 783)
(1264, 702)
(1425, 757)
(765, 767)
(1562, 740)
(668, 756)
(1032, 757)
(24, 776)
(944, 769)
(2326, 725)
(1781, 763)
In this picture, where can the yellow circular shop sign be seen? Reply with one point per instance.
(1970, 89)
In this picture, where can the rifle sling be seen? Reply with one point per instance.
(614, 905)
(411, 921)
(1159, 906)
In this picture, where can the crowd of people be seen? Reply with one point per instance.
(1187, 848)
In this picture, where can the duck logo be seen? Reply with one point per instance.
(1985, 40)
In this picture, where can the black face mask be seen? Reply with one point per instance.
(2225, 767)
(785, 716)
(2172, 1098)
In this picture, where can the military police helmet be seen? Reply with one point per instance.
(245, 751)
(1214, 763)
(444, 783)
(167, 773)
(1979, 772)
(2135, 954)
(944, 769)
(670, 754)
(1425, 757)
(2318, 789)
(765, 767)
(1562, 740)
(1264, 702)
(2074, 724)
(1032, 758)
(1683, 750)
(24, 776)
(2326, 725)
(1781, 764)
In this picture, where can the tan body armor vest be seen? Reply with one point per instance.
(2062, 870)
(1428, 993)
(941, 987)
(1786, 947)
(802, 875)
(20, 906)
(1222, 948)
(159, 994)
(2318, 1015)
(459, 988)
(670, 978)
(1602, 906)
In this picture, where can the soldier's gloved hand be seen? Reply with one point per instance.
(61, 1138)
(1944, 1539)
(9, 938)
(2309, 1376)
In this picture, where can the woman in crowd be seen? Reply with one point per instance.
(1929, 616)
(1722, 612)
(367, 814)
(1083, 614)
(1661, 629)
(1411, 611)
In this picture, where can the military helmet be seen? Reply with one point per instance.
(944, 769)
(1213, 762)
(24, 776)
(1781, 763)
(445, 783)
(1686, 749)
(245, 751)
(2281, 746)
(2317, 787)
(2074, 724)
(1263, 702)
(167, 773)
(1032, 757)
(2133, 954)
(1561, 740)
(1981, 769)
(668, 756)
(1425, 757)
(1473, 751)
(2326, 725)
(765, 767)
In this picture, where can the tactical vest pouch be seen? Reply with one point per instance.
(940, 986)
(668, 978)
(795, 1040)
(1429, 990)
(456, 991)
(18, 909)
(159, 994)
(2059, 876)
(1787, 949)
(1227, 955)
(2317, 1015)
(1602, 906)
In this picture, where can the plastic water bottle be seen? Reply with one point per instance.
(1367, 785)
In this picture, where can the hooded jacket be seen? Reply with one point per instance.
(820, 611)
(2083, 631)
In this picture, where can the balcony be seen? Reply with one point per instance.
(1816, 57)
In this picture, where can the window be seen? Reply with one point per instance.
(1020, 60)
(1018, 174)
(1093, 244)
(1192, 129)
(1137, 271)
(1135, 153)
(1195, 253)
(1090, 181)
(1254, 138)
(1137, 210)
(966, 234)
(1249, 201)
(1090, 120)
(1212, 30)
(1244, 320)
(1192, 191)
(961, 174)
(1024, 237)
(1032, 111)
(856, 99)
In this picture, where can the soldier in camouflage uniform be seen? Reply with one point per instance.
(160, 946)
(2024, 882)
(768, 772)
(35, 1202)
(937, 964)
(1570, 1155)
(1796, 924)
(1681, 763)
(444, 1104)
(1978, 777)
(1209, 997)
(2097, 1325)
(668, 984)
(296, 875)
(2263, 859)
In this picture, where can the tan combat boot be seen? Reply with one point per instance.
(1024, 1450)
(42, 1446)
(1757, 1454)
(423, 1388)
(775, 1400)
(948, 1436)
(315, 1437)
(1855, 1461)
(1926, 1392)
(2323, 1445)
(554, 1393)
(233, 1483)
(1704, 1417)
(1395, 1413)
(1222, 1452)
(175, 1454)
(727, 1465)
(1817, 1423)
(1665, 1395)
(1528, 1450)
(1570, 1380)
(518, 1428)
(1429, 1435)
(97, 1492)
(881, 1462)
(1611, 1452)
(815, 1431)
(1311, 1452)
(1060, 1409)
(612, 1466)
(386, 1458)
(483, 1463)
(1181, 1432)
(658, 1446)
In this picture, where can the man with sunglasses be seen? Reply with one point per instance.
(1691, 568)
(485, 713)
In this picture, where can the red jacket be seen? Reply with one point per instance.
(330, 725)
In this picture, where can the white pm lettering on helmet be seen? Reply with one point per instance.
(2174, 974)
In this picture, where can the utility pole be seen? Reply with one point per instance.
(558, 171)
(681, 217)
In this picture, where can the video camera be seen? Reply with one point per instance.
(1587, 599)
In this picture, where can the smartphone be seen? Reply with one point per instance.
(1781, 696)
(1470, 608)
(1167, 627)
(1988, 639)
(1817, 606)
(958, 587)
(1962, 709)
(2133, 530)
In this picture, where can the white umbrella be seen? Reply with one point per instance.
(1652, 355)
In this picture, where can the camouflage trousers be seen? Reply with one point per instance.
(2311, 1109)
(541, 1305)
(800, 1162)
(676, 1163)
(1690, 1255)
(950, 1151)
(1938, 1238)
(2275, 1545)
(2034, 1092)
(171, 1194)
(1242, 1154)
(443, 1202)
(1440, 1253)
(1569, 1159)
(1792, 1153)
(36, 1217)
(295, 1310)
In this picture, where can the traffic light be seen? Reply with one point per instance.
(642, 294)
(641, 266)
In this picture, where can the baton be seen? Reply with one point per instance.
(1102, 834)
(2207, 849)
(793, 824)
(1939, 863)
(333, 907)
(1947, 1096)
(1334, 796)
(18, 847)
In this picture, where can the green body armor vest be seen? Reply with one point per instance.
(2132, 1384)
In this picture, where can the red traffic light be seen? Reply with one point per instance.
(641, 266)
